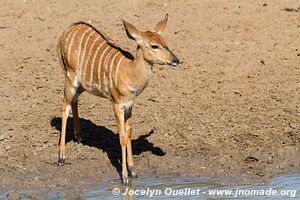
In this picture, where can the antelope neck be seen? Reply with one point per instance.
(140, 62)
(140, 71)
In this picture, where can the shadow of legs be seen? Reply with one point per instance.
(106, 140)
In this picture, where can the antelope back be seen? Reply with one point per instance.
(91, 58)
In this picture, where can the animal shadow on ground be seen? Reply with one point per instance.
(106, 140)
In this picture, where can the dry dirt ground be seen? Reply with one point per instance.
(231, 108)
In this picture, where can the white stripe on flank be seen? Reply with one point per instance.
(92, 66)
(111, 68)
(71, 42)
(93, 62)
(99, 67)
(79, 52)
(117, 70)
(70, 34)
(83, 56)
(105, 70)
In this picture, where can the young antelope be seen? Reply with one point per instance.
(93, 62)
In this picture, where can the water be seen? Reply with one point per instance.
(173, 187)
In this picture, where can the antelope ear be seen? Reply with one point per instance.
(132, 32)
(160, 27)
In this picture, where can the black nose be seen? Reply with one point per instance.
(175, 61)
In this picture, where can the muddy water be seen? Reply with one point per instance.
(170, 187)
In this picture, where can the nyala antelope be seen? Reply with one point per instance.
(93, 62)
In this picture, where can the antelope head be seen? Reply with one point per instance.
(153, 46)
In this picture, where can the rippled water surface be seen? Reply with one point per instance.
(172, 187)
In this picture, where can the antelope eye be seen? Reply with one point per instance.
(154, 46)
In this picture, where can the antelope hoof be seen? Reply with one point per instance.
(132, 172)
(125, 181)
(61, 161)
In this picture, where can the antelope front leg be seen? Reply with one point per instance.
(131, 169)
(120, 120)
